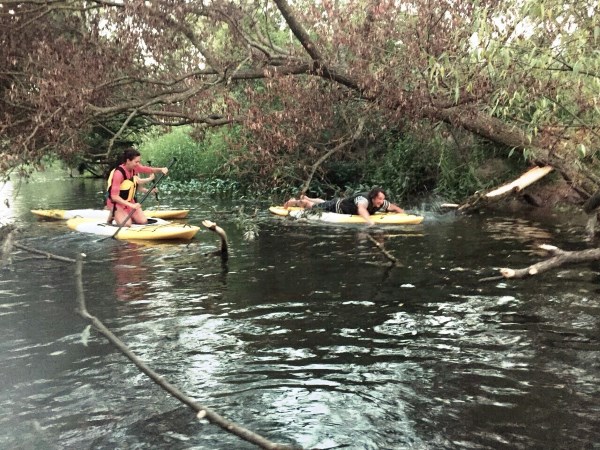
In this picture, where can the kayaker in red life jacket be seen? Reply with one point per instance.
(123, 183)
(364, 204)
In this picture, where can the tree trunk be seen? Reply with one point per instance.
(481, 124)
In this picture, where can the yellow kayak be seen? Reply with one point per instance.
(158, 230)
(329, 217)
(102, 214)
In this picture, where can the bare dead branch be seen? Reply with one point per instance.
(385, 253)
(111, 142)
(43, 253)
(298, 30)
(323, 158)
(558, 259)
(481, 199)
(202, 411)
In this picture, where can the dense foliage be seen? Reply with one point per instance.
(196, 159)
(309, 89)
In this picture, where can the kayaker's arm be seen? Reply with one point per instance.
(395, 208)
(362, 212)
(164, 170)
(150, 169)
(141, 181)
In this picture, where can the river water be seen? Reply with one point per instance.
(306, 336)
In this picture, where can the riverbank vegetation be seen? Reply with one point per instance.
(408, 167)
(420, 97)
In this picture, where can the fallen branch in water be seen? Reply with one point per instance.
(559, 258)
(387, 254)
(45, 254)
(202, 411)
(480, 200)
(8, 243)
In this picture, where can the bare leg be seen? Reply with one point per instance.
(138, 217)
(314, 201)
(303, 203)
(120, 217)
(110, 216)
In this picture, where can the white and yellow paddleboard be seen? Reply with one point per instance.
(102, 214)
(329, 217)
(158, 230)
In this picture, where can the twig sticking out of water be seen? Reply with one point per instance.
(494, 278)
(202, 411)
(387, 254)
(223, 252)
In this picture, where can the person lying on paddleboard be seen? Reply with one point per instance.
(364, 204)
(122, 185)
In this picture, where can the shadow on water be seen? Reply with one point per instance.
(306, 336)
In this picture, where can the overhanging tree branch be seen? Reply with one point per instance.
(323, 158)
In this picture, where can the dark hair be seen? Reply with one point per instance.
(375, 192)
(129, 153)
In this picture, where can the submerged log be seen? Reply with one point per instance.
(481, 199)
(559, 258)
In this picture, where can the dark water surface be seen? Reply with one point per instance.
(306, 337)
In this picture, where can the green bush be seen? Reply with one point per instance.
(409, 167)
(195, 159)
(406, 167)
(215, 186)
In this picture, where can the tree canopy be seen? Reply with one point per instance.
(299, 79)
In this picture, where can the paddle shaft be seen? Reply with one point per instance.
(158, 180)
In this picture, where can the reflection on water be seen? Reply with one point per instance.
(131, 275)
(517, 229)
(309, 337)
